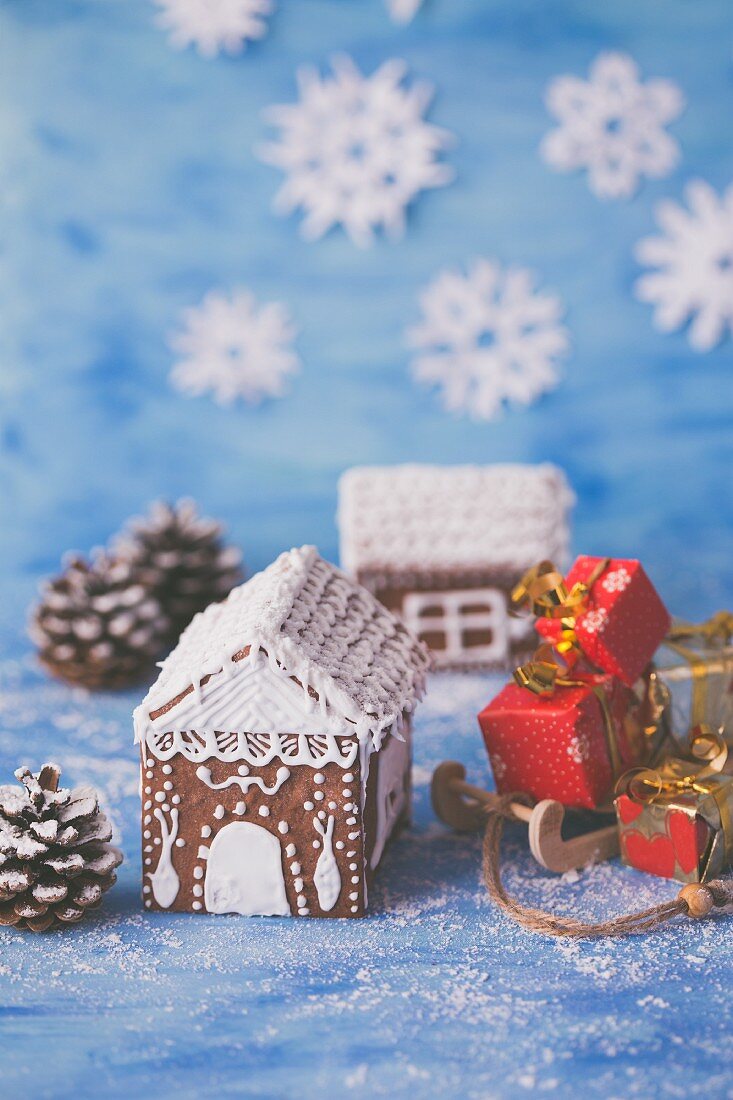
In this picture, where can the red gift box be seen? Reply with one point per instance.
(569, 745)
(622, 620)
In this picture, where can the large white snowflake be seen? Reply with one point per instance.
(403, 11)
(694, 259)
(613, 125)
(234, 348)
(356, 150)
(487, 337)
(214, 26)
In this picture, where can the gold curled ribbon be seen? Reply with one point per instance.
(716, 631)
(677, 777)
(544, 591)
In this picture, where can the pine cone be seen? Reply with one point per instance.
(97, 625)
(182, 560)
(55, 862)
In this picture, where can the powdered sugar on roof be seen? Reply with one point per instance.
(418, 518)
(312, 623)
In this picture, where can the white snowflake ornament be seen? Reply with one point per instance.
(356, 150)
(234, 348)
(403, 11)
(694, 261)
(214, 26)
(613, 125)
(487, 337)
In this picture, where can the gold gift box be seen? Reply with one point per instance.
(695, 664)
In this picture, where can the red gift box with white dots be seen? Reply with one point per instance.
(555, 746)
(625, 619)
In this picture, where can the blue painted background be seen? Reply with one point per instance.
(128, 188)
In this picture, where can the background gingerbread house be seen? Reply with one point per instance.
(275, 747)
(443, 546)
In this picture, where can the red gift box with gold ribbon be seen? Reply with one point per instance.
(676, 821)
(570, 743)
(606, 609)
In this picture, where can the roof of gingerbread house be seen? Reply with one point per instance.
(415, 519)
(306, 620)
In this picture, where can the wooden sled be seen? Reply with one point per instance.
(462, 806)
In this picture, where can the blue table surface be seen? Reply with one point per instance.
(128, 189)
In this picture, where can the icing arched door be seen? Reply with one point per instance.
(244, 872)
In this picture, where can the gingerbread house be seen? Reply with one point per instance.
(443, 546)
(275, 747)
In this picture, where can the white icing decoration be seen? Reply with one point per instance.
(164, 879)
(219, 812)
(198, 891)
(302, 902)
(326, 877)
(167, 786)
(203, 852)
(167, 769)
(197, 905)
(176, 799)
(240, 808)
(259, 749)
(319, 777)
(298, 884)
(319, 796)
(409, 520)
(349, 777)
(149, 763)
(308, 805)
(206, 831)
(264, 811)
(333, 806)
(339, 844)
(198, 872)
(159, 796)
(295, 868)
(290, 850)
(244, 781)
(180, 843)
(282, 827)
(299, 619)
(244, 872)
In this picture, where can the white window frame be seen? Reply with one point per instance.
(453, 622)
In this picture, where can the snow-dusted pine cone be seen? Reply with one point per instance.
(182, 560)
(97, 625)
(55, 859)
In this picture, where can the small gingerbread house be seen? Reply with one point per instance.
(443, 546)
(275, 747)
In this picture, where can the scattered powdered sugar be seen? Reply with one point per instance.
(435, 993)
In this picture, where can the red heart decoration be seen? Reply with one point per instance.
(628, 810)
(655, 854)
(683, 832)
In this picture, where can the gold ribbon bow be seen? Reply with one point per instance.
(716, 631)
(676, 777)
(544, 590)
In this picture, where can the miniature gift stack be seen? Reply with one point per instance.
(443, 547)
(580, 714)
(695, 665)
(676, 820)
(276, 747)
